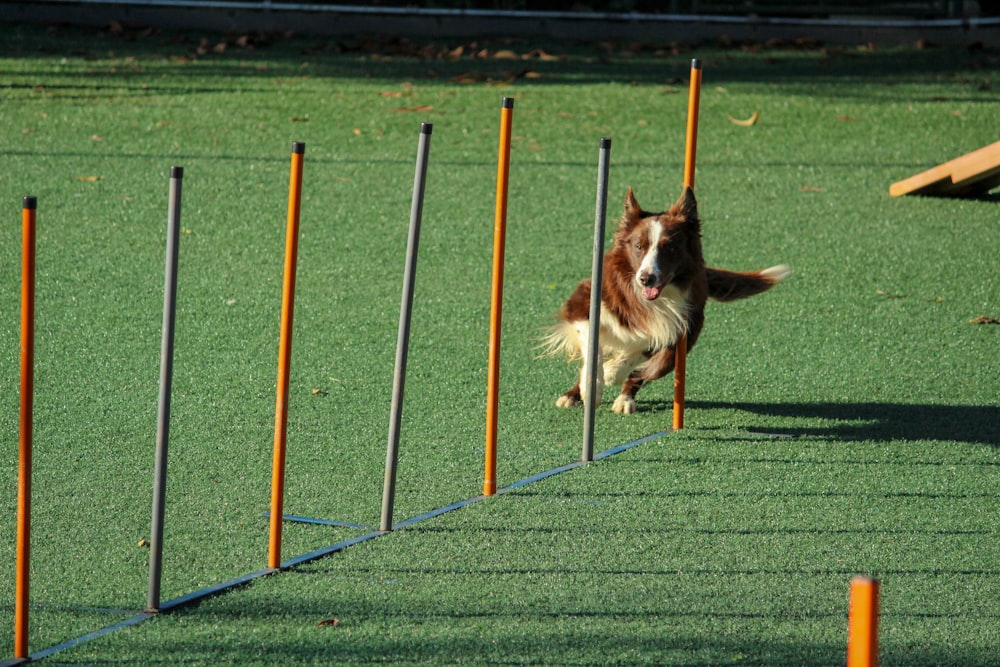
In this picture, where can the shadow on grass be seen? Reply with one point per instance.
(880, 422)
(177, 57)
(343, 632)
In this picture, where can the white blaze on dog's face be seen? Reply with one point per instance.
(649, 276)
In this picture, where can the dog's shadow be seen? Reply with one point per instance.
(881, 422)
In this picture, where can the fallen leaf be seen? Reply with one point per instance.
(143, 543)
(357, 132)
(319, 392)
(469, 77)
(329, 623)
(982, 319)
(89, 179)
(745, 123)
(417, 107)
(539, 54)
(95, 137)
(810, 188)
(505, 54)
(300, 119)
(847, 119)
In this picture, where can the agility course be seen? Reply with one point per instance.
(726, 444)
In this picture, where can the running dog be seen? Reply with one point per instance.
(654, 290)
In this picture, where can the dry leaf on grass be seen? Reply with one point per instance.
(417, 107)
(329, 623)
(752, 120)
(983, 319)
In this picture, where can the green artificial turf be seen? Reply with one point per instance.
(845, 423)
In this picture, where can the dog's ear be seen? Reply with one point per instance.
(631, 205)
(633, 212)
(686, 206)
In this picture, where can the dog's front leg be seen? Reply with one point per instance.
(619, 370)
(658, 365)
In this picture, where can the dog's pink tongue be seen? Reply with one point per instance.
(651, 292)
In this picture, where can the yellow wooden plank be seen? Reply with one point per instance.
(973, 173)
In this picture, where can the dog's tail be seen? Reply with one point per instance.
(726, 285)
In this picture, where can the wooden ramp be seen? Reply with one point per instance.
(973, 174)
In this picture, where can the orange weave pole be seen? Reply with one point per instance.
(690, 150)
(285, 356)
(24, 441)
(496, 299)
(862, 628)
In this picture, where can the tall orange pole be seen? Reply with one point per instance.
(24, 441)
(690, 150)
(496, 298)
(862, 628)
(285, 356)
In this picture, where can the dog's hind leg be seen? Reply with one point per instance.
(578, 394)
(584, 332)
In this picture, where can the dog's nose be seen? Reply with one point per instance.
(646, 278)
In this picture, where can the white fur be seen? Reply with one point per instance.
(777, 273)
(622, 348)
(648, 265)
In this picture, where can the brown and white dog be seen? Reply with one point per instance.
(654, 290)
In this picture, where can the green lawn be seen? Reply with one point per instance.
(845, 423)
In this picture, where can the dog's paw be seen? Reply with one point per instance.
(568, 401)
(624, 405)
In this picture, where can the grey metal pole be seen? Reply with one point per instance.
(593, 366)
(166, 378)
(403, 338)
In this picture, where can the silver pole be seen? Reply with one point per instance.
(403, 338)
(593, 366)
(166, 377)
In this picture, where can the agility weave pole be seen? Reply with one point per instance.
(285, 355)
(27, 388)
(862, 626)
(690, 150)
(403, 336)
(593, 363)
(166, 379)
(496, 298)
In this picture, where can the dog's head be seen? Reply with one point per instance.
(662, 248)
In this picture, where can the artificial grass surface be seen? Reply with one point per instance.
(710, 546)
